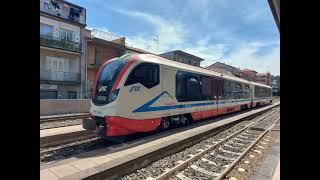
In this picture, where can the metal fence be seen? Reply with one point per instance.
(51, 41)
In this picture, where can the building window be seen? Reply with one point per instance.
(66, 35)
(48, 94)
(46, 30)
(146, 74)
(58, 69)
(98, 54)
(72, 95)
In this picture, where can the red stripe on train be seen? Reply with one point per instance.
(124, 69)
(117, 126)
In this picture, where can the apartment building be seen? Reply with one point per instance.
(62, 26)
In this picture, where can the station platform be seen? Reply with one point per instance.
(270, 167)
(53, 136)
(110, 161)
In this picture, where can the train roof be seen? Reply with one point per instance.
(259, 84)
(164, 61)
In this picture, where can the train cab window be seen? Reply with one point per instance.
(146, 74)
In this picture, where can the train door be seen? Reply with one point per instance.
(220, 100)
(216, 94)
(168, 89)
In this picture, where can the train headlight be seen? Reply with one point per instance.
(113, 96)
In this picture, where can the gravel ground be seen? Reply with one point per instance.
(159, 167)
(266, 123)
(207, 166)
(219, 161)
(61, 115)
(195, 174)
(55, 124)
(73, 148)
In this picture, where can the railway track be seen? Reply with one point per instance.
(49, 122)
(214, 157)
(62, 117)
(65, 150)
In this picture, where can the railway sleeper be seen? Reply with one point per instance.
(204, 171)
(182, 177)
(229, 152)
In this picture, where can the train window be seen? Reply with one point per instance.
(262, 92)
(188, 87)
(226, 89)
(180, 86)
(216, 89)
(246, 92)
(146, 74)
(238, 91)
(206, 88)
(193, 89)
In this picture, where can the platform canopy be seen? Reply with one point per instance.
(275, 9)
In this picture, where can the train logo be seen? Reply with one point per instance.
(134, 88)
(103, 89)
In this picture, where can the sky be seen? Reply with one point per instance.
(239, 33)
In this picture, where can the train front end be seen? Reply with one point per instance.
(105, 94)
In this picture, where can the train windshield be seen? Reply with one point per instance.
(105, 81)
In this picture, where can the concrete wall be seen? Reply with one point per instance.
(63, 106)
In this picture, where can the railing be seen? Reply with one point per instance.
(51, 75)
(59, 43)
(106, 35)
(65, 13)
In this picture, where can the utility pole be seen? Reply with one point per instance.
(156, 38)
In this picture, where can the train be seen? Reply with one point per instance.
(144, 93)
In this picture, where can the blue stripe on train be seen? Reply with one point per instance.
(146, 107)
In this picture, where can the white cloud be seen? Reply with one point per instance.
(169, 32)
(244, 57)
(99, 28)
(173, 35)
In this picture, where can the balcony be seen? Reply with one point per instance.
(50, 75)
(53, 42)
(64, 10)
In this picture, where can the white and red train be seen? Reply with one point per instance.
(142, 93)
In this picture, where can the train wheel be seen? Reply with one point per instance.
(184, 120)
(165, 123)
